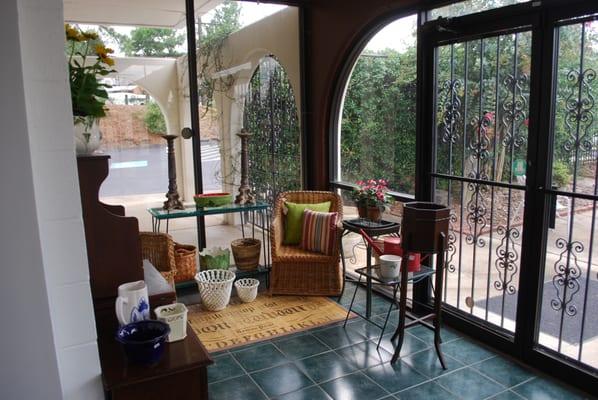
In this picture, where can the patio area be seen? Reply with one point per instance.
(293, 113)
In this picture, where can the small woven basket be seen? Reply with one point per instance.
(215, 287)
(246, 253)
(186, 262)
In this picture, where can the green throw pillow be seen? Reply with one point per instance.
(294, 220)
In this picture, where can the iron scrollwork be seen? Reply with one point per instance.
(579, 105)
(514, 108)
(506, 263)
(566, 279)
(451, 113)
(270, 114)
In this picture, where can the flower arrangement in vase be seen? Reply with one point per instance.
(371, 197)
(89, 62)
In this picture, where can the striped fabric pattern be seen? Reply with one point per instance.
(318, 231)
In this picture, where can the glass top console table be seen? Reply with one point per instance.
(249, 213)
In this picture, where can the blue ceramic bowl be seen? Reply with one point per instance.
(143, 340)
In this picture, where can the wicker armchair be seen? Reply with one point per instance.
(296, 271)
(158, 248)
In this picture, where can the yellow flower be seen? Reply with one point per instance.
(90, 35)
(101, 50)
(107, 60)
(72, 33)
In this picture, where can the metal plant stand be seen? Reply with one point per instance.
(172, 197)
(424, 230)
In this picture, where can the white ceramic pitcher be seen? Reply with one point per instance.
(132, 303)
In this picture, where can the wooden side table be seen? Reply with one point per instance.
(181, 373)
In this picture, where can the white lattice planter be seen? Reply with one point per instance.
(247, 289)
(215, 286)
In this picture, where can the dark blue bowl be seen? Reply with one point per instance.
(143, 340)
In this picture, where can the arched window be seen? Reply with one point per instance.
(271, 115)
(376, 121)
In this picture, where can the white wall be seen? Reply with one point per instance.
(48, 347)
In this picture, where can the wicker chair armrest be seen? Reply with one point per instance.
(276, 235)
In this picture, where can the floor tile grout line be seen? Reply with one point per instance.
(250, 377)
(508, 390)
(445, 388)
(469, 366)
(230, 377)
(296, 366)
(523, 383)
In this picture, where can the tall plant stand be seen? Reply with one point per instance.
(423, 320)
(424, 230)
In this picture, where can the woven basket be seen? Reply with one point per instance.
(215, 286)
(186, 263)
(246, 253)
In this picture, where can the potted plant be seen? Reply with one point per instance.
(89, 62)
(371, 197)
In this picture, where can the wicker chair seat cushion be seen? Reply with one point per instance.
(286, 253)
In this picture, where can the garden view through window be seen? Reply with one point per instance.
(377, 126)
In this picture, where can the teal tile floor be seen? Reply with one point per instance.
(343, 364)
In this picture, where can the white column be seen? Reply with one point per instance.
(49, 345)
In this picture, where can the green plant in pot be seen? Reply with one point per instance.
(371, 197)
(89, 62)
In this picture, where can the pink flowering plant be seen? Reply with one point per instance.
(371, 193)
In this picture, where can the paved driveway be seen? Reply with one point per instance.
(144, 170)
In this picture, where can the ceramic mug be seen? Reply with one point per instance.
(132, 303)
(390, 265)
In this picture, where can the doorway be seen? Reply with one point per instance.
(509, 112)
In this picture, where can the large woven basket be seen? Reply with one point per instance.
(186, 262)
(246, 253)
(215, 286)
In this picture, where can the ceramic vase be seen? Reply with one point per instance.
(87, 137)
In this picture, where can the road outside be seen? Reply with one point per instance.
(144, 170)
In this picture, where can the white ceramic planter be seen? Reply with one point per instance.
(87, 138)
(175, 315)
(390, 265)
(247, 289)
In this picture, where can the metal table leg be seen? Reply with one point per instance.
(394, 299)
(342, 253)
(352, 301)
(402, 309)
(438, 300)
(368, 295)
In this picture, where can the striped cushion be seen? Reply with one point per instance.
(318, 232)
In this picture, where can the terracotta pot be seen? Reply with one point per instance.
(374, 214)
(362, 211)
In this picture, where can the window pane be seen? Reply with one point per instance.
(469, 7)
(377, 129)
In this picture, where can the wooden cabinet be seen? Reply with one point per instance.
(114, 256)
(181, 373)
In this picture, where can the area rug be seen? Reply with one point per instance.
(266, 317)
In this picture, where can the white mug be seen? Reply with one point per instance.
(132, 303)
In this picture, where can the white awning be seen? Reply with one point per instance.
(154, 13)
